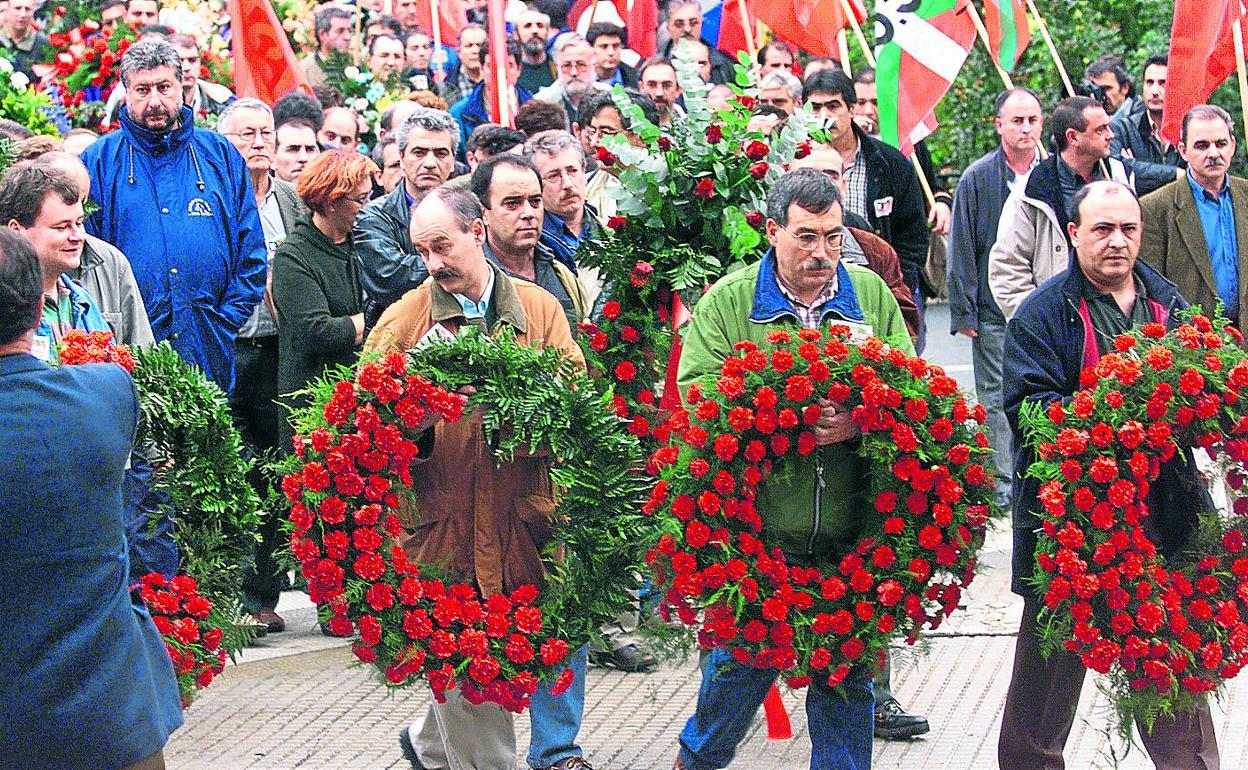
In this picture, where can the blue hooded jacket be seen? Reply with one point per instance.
(471, 112)
(181, 206)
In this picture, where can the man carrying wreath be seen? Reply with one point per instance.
(1063, 327)
(487, 522)
(809, 512)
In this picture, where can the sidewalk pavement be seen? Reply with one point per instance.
(295, 701)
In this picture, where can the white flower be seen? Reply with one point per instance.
(5, 65)
(19, 80)
(352, 72)
(360, 104)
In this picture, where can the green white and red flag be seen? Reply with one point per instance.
(1008, 33)
(921, 46)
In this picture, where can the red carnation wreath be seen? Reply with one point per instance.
(354, 454)
(1164, 630)
(183, 617)
(927, 478)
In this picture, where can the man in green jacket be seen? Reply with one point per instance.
(811, 513)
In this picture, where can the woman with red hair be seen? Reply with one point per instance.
(316, 281)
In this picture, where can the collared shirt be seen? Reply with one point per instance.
(810, 314)
(562, 241)
(616, 79)
(851, 249)
(480, 308)
(261, 323)
(856, 184)
(1012, 182)
(1217, 220)
(1108, 320)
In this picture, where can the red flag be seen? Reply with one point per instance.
(811, 25)
(265, 66)
(1202, 50)
(498, 89)
(641, 20)
(451, 16)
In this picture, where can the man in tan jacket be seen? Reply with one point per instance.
(1192, 232)
(487, 522)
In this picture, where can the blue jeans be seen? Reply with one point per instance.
(555, 720)
(840, 722)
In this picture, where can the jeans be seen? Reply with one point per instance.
(920, 344)
(840, 722)
(988, 351)
(556, 719)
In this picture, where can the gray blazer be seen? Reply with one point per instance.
(106, 274)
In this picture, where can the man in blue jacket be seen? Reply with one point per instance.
(85, 680)
(1064, 326)
(474, 108)
(178, 201)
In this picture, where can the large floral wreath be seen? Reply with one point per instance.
(185, 426)
(1165, 630)
(355, 447)
(927, 492)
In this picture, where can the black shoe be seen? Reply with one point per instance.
(630, 658)
(409, 751)
(892, 723)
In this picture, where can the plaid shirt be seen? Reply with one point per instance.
(856, 185)
(810, 314)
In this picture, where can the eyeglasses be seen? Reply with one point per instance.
(359, 200)
(574, 66)
(808, 241)
(250, 134)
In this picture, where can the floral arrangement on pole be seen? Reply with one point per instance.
(690, 211)
(928, 494)
(351, 476)
(85, 69)
(363, 92)
(1165, 628)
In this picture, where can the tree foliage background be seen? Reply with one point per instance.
(1082, 30)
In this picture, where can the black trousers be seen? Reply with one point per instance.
(256, 417)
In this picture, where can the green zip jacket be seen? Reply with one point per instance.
(813, 507)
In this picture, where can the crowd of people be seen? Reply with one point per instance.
(273, 246)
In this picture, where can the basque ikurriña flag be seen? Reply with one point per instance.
(640, 17)
(920, 48)
(1008, 33)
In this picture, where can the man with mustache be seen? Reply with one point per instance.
(1192, 231)
(485, 521)
(658, 81)
(1137, 133)
(560, 162)
(178, 201)
(811, 514)
(577, 76)
(537, 69)
(509, 188)
(1066, 325)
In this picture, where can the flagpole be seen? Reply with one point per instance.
(593, 11)
(866, 50)
(497, 36)
(842, 47)
(436, 22)
(1237, 33)
(1048, 41)
(748, 29)
(355, 46)
(983, 36)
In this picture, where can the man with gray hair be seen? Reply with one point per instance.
(560, 161)
(333, 33)
(1192, 232)
(179, 202)
(574, 57)
(427, 140)
(248, 124)
(801, 282)
(781, 89)
(684, 22)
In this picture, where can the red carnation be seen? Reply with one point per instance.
(625, 371)
(617, 222)
(705, 188)
(641, 274)
(611, 310)
(606, 157)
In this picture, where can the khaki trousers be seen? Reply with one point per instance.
(457, 735)
(1040, 709)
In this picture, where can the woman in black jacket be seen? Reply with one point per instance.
(316, 281)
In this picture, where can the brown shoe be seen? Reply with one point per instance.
(571, 763)
(268, 618)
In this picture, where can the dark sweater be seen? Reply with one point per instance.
(316, 288)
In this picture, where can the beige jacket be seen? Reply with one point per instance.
(1030, 249)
